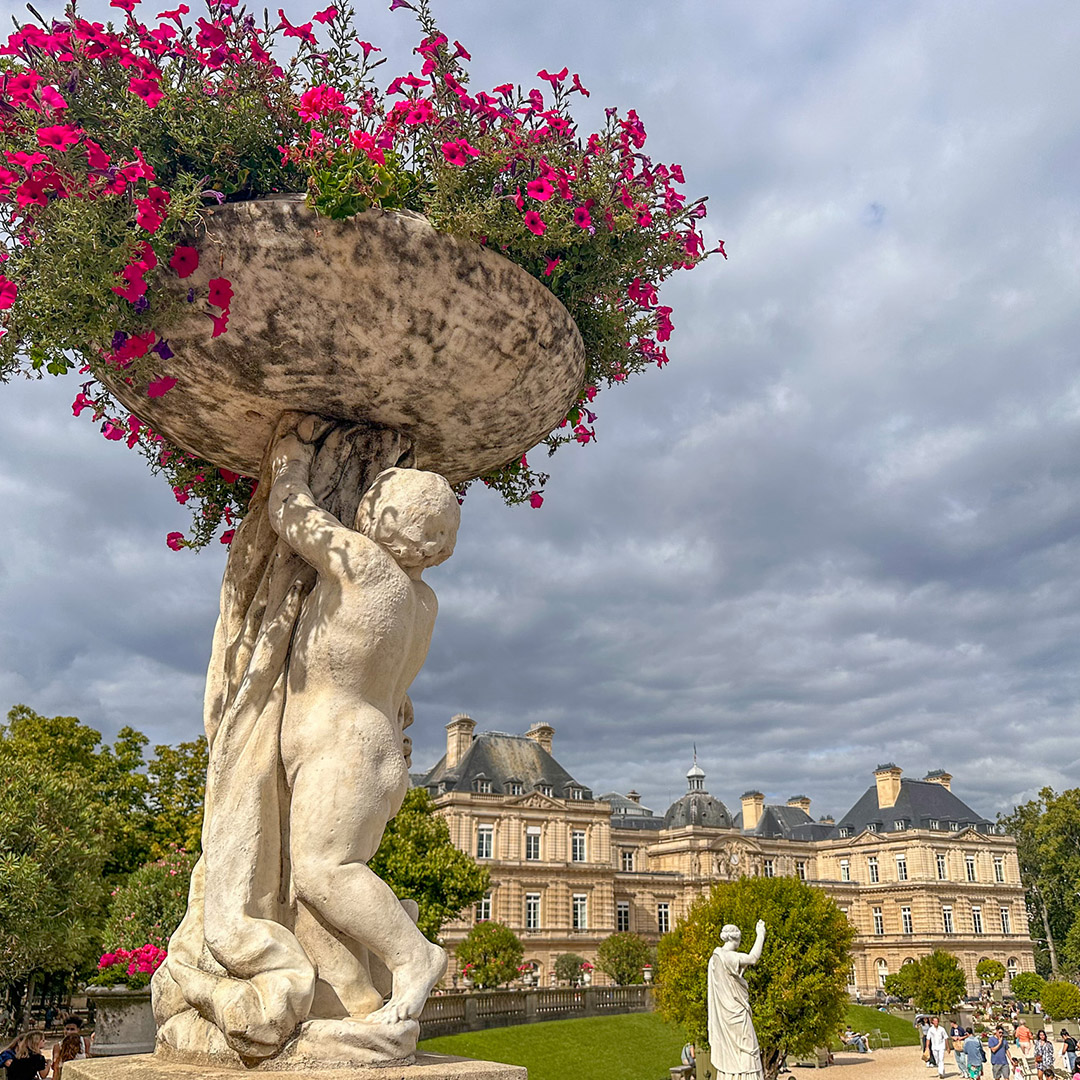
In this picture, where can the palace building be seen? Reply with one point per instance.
(912, 866)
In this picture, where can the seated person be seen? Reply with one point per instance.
(852, 1038)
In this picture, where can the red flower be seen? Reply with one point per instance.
(96, 157)
(303, 32)
(174, 540)
(550, 268)
(160, 387)
(221, 323)
(540, 190)
(555, 79)
(221, 293)
(185, 261)
(458, 152)
(147, 215)
(582, 217)
(227, 536)
(536, 500)
(534, 222)
(146, 89)
(58, 137)
(325, 16)
(228, 476)
(8, 291)
(578, 87)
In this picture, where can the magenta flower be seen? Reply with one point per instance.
(326, 15)
(160, 387)
(96, 157)
(578, 87)
(458, 152)
(226, 538)
(303, 32)
(539, 189)
(534, 222)
(175, 540)
(536, 500)
(221, 293)
(147, 216)
(175, 14)
(146, 89)
(53, 98)
(420, 113)
(112, 431)
(400, 4)
(185, 261)
(221, 323)
(318, 101)
(550, 268)
(582, 217)
(58, 137)
(8, 291)
(555, 79)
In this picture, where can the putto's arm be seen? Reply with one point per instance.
(308, 529)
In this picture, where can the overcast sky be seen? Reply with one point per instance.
(842, 527)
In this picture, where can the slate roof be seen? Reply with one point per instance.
(627, 814)
(787, 823)
(697, 808)
(498, 757)
(919, 803)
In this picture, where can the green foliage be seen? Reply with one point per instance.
(418, 861)
(1061, 1000)
(990, 971)
(1027, 986)
(939, 982)
(902, 983)
(568, 967)
(638, 1046)
(798, 987)
(148, 907)
(177, 789)
(622, 956)
(492, 953)
(899, 1028)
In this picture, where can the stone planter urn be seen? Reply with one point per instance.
(123, 1021)
(586, 977)
(369, 364)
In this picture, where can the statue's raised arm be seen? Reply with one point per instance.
(733, 1043)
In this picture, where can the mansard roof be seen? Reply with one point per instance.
(628, 814)
(918, 804)
(499, 757)
(786, 823)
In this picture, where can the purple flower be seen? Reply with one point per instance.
(191, 296)
(118, 340)
(163, 350)
(401, 3)
(142, 304)
(220, 196)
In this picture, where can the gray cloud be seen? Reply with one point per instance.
(840, 528)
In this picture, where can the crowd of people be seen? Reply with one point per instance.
(24, 1058)
(1016, 1054)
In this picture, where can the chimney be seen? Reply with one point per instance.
(542, 734)
(827, 819)
(801, 801)
(888, 784)
(940, 776)
(459, 737)
(634, 797)
(753, 804)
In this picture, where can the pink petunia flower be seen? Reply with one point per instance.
(534, 222)
(227, 538)
(53, 98)
(58, 136)
(221, 292)
(536, 500)
(8, 291)
(185, 261)
(326, 15)
(146, 89)
(550, 268)
(539, 189)
(458, 152)
(96, 157)
(582, 218)
(221, 323)
(160, 387)
(175, 540)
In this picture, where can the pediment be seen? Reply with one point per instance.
(533, 800)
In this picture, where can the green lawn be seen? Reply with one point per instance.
(637, 1046)
(901, 1030)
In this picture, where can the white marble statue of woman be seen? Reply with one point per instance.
(733, 1043)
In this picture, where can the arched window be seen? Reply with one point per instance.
(909, 960)
(882, 971)
(1012, 967)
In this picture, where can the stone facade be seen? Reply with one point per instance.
(912, 866)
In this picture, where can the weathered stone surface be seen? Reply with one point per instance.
(425, 1067)
(377, 318)
(124, 1022)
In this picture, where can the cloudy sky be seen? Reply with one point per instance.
(842, 527)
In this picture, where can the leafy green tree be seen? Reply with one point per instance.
(148, 907)
(902, 983)
(418, 861)
(1027, 986)
(990, 971)
(494, 953)
(939, 982)
(1061, 1000)
(175, 797)
(622, 956)
(568, 967)
(798, 989)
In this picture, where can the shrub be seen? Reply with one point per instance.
(568, 967)
(149, 906)
(622, 957)
(1061, 1000)
(492, 952)
(1027, 986)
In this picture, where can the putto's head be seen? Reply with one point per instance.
(413, 514)
(731, 933)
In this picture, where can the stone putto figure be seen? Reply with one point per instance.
(291, 943)
(733, 1043)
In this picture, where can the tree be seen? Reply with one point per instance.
(1061, 1000)
(902, 983)
(494, 952)
(990, 971)
(798, 989)
(177, 790)
(568, 967)
(939, 982)
(1027, 986)
(148, 907)
(622, 956)
(418, 861)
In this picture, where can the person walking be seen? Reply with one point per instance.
(1024, 1039)
(27, 1062)
(999, 1054)
(923, 1025)
(937, 1038)
(1044, 1055)
(973, 1051)
(1068, 1051)
(956, 1039)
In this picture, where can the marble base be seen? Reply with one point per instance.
(426, 1067)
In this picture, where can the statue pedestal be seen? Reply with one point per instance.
(427, 1067)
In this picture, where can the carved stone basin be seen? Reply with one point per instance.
(378, 318)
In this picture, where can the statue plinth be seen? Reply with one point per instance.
(426, 1067)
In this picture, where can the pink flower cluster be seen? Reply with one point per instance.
(144, 960)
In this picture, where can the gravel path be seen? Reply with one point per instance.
(900, 1063)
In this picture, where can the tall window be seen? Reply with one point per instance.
(532, 842)
(580, 906)
(999, 868)
(882, 972)
(769, 868)
(946, 918)
(484, 841)
(1012, 967)
(577, 846)
(941, 870)
(513, 787)
(800, 869)
(845, 870)
(872, 867)
(483, 909)
(663, 918)
(622, 916)
(532, 911)
(976, 919)
(851, 976)
(577, 793)
(879, 922)
(905, 920)
(627, 860)
(969, 867)
(1006, 921)
(901, 868)
(483, 787)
